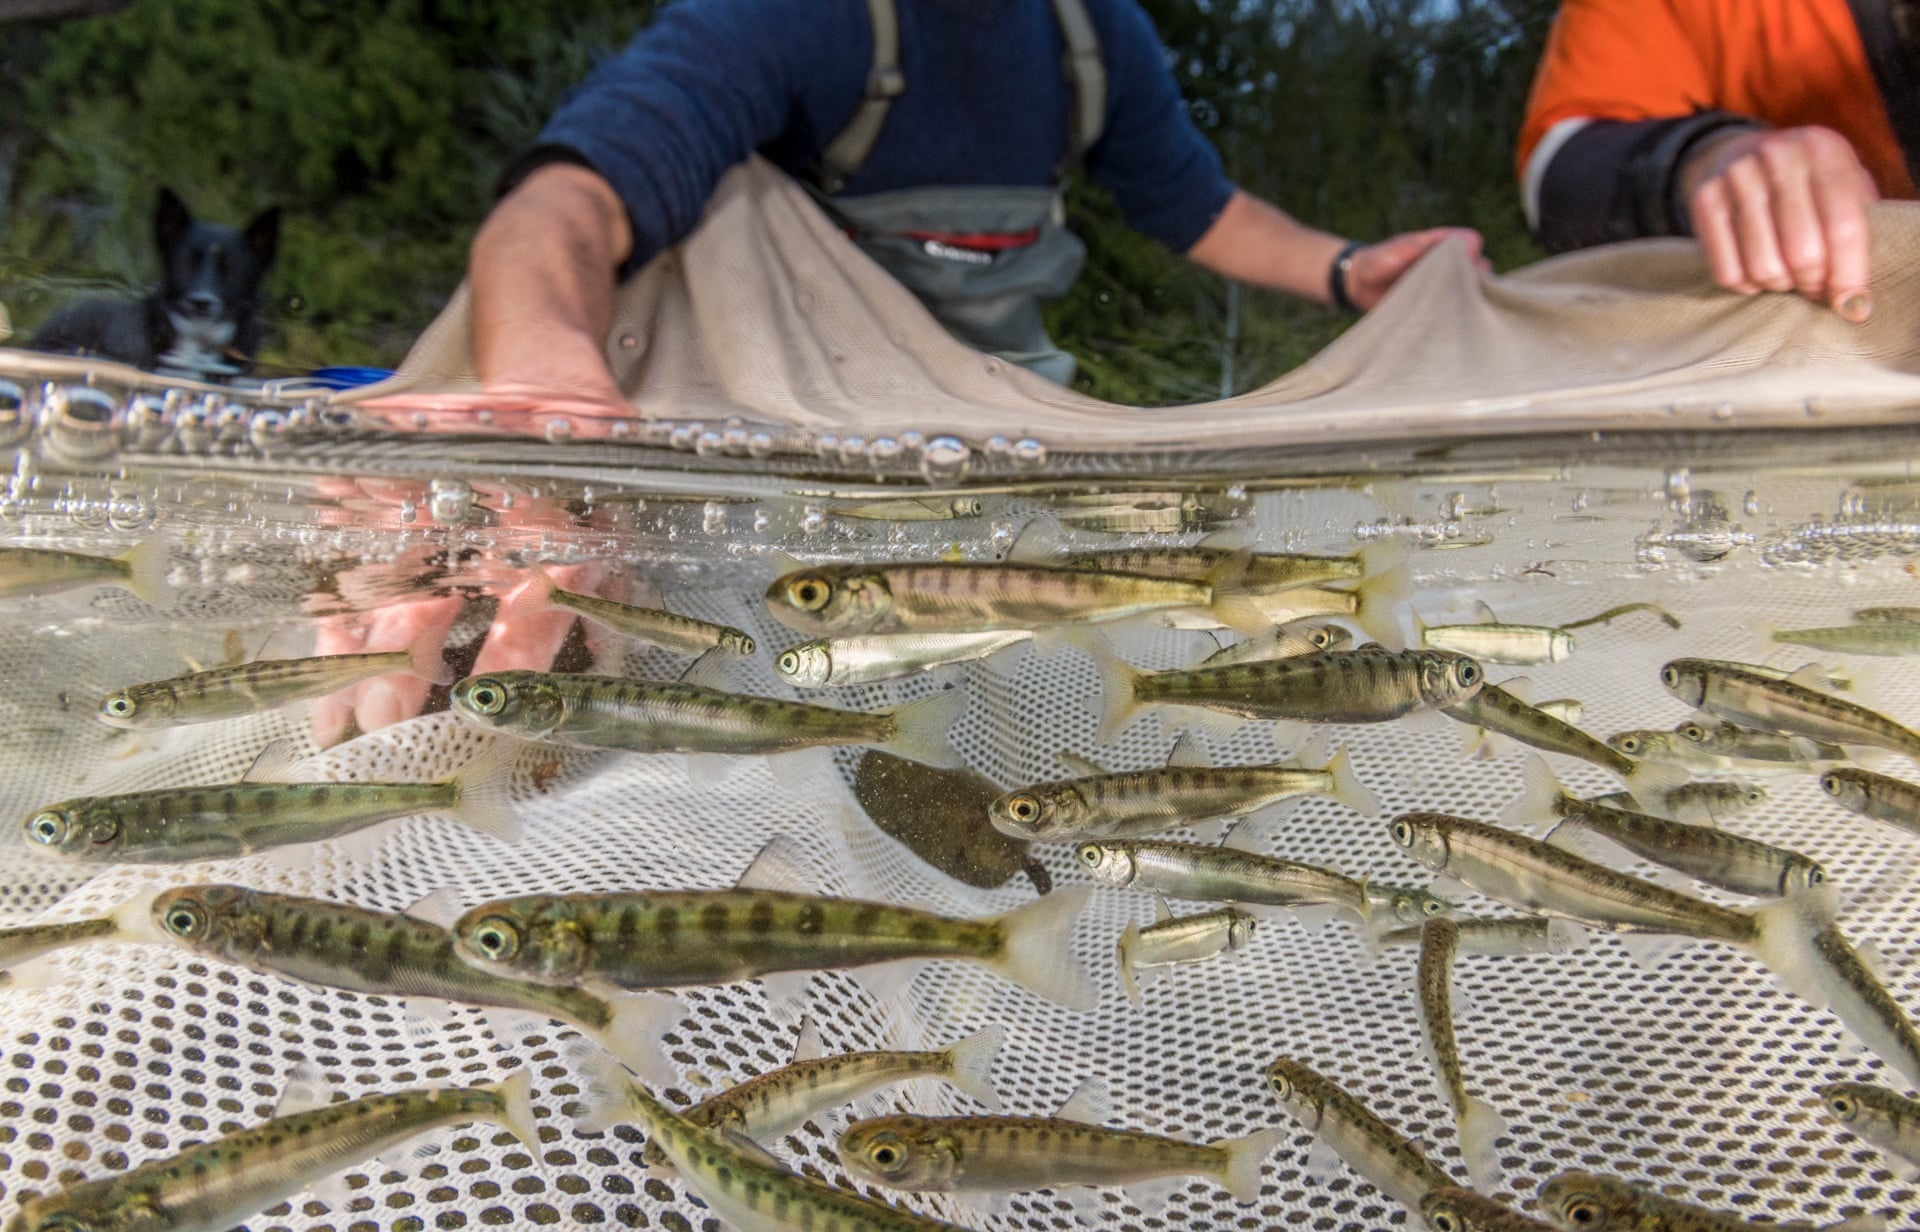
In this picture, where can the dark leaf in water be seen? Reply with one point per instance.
(941, 815)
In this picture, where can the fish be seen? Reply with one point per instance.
(176, 825)
(540, 593)
(676, 938)
(1142, 802)
(914, 509)
(1885, 1118)
(24, 943)
(1878, 796)
(1714, 856)
(1887, 615)
(1463, 1210)
(224, 1182)
(1888, 638)
(1492, 642)
(1706, 803)
(1751, 700)
(1373, 606)
(1749, 746)
(1344, 1129)
(1613, 613)
(1403, 904)
(1656, 744)
(31, 572)
(836, 662)
(1503, 709)
(1229, 874)
(1265, 572)
(1003, 1154)
(613, 712)
(336, 945)
(742, 1184)
(1813, 675)
(1585, 1202)
(1503, 937)
(1479, 1124)
(1284, 642)
(1176, 940)
(266, 684)
(1368, 685)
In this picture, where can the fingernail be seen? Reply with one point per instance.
(1856, 307)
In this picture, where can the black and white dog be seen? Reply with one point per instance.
(202, 322)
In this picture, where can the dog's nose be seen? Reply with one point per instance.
(203, 304)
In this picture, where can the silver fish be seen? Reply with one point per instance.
(649, 624)
(914, 509)
(1266, 572)
(1498, 710)
(1782, 705)
(1710, 802)
(141, 569)
(1345, 1129)
(1404, 905)
(1584, 1202)
(614, 712)
(216, 1185)
(1655, 744)
(250, 688)
(1872, 638)
(1885, 1118)
(1526, 645)
(1503, 937)
(1875, 795)
(1746, 745)
(1285, 642)
(1224, 875)
(1887, 615)
(1479, 1124)
(836, 662)
(1463, 1210)
(1176, 940)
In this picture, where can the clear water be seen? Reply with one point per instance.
(289, 524)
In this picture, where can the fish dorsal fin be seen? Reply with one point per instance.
(274, 764)
(1520, 688)
(808, 1047)
(1244, 838)
(1812, 676)
(1482, 614)
(306, 1090)
(751, 1149)
(1231, 539)
(781, 866)
(1082, 767)
(714, 670)
(1038, 543)
(1189, 753)
(1161, 912)
(441, 908)
(785, 562)
(1091, 1103)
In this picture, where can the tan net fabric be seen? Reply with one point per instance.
(768, 312)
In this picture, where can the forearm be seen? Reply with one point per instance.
(541, 273)
(1258, 243)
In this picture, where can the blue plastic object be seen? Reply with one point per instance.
(348, 377)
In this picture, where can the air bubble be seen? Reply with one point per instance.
(621, 430)
(681, 437)
(708, 443)
(713, 517)
(558, 430)
(629, 342)
(884, 449)
(82, 423)
(999, 446)
(408, 512)
(16, 417)
(1030, 453)
(1750, 504)
(265, 428)
(944, 459)
(759, 445)
(761, 520)
(853, 449)
(812, 520)
(449, 501)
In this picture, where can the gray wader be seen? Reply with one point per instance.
(981, 258)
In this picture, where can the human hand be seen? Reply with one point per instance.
(1377, 267)
(1784, 210)
(548, 365)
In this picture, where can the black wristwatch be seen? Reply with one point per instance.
(1337, 277)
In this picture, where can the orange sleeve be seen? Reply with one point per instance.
(1613, 60)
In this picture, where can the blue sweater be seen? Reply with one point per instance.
(711, 81)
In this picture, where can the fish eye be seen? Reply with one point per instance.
(742, 644)
(48, 827)
(1694, 732)
(1468, 673)
(1321, 639)
(487, 696)
(971, 508)
(809, 592)
(1755, 795)
(1433, 906)
(1842, 1106)
(1630, 745)
(1280, 1085)
(1816, 875)
(118, 706)
(1403, 834)
(1023, 808)
(885, 1154)
(1670, 676)
(1580, 1210)
(186, 920)
(789, 663)
(496, 938)
(1830, 783)
(1089, 855)
(1442, 1219)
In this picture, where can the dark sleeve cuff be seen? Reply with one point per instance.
(1615, 180)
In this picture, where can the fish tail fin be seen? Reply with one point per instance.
(606, 1089)
(133, 918)
(1118, 701)
(424, 659)
(483, 792)
(1241, 1176)
(1481, 1127)
(147, 563)
(1346, 787)
(970, 1064)
(1388, 584)
(920, 730)
(1037, 949)
(1123, 958)
(1650, 781)
(1538, 801)
(635, 1034)
(535, 595)
(1798, 941)
(516, 1108)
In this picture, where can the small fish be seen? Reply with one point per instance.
(1752, 700)
(835, 662)
(1613, 613)
(1172, 941)
(1491, 642)
(675, 938)
(1266, 572)
(267, 684)
(914, 509)
(1344, 1129)
(1656, 744)
(335, 945)
(1142, 802)
(141, 569)
(1875, 795)
(1813, 675)
(26, 942)
(1479, 1124)
(1873, 638)
(614, 712)
(176, 825)
(1463, 1210)
(1285, 642)
(1368, 685)
(1013, 1154)
(1887, 615)
(742, 1184)
(216, 1185)
(1885, 1118)
(1404, 905)
(1228, 874)
(1748, 746)
(1716, 857)
(1503, 710)
(648, 624)
(1506, 937)
(1373, 606)
(1706, 803)
(1584, 1202)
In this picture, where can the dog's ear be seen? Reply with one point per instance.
(263, 236)
(171, 218)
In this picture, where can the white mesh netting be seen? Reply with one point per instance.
(1698, 1078)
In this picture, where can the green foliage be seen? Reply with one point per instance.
(380, 127)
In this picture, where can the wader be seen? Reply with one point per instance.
(982, 258)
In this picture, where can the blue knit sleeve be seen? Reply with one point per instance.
(1165, 175)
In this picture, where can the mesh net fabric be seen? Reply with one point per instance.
(1698, 1077)
(770, 313)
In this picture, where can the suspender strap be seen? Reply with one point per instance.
(845, 153)
(1892, 41)
(1086, 73)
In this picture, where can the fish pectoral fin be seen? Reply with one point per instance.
(333, 1191)
(1189, 752)
(786, 992)
(751, 1149)
(706, 771)
(1152, 1195)
(1450, 888)
(1650, 951)
(1208, 832)
(887, 982)
(781, 866)
(275, 763)
(1323, 1163)
(1315, 916)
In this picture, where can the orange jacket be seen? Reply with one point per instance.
(1785, 62)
